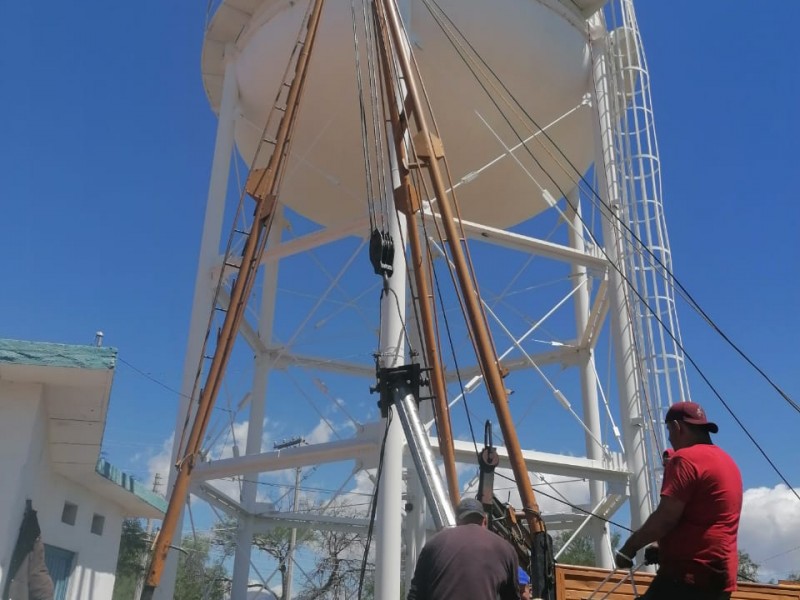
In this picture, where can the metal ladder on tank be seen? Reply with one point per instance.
(662, 363)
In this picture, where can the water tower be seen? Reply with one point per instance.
(543, 110)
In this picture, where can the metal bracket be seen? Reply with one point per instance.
(391, 378)
(399, 388)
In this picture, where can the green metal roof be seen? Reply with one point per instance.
(45, 354)
(129, 484)
(94, 362)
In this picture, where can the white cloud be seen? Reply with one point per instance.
(769, 530)
(359, 496)
(563, 489)
(237, 437)
(320, 434)
(161, 464)
(325, 429)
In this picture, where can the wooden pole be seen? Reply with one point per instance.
(268, 181)
(405, 202)
(487, 358)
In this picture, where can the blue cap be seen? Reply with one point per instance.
(522, 576)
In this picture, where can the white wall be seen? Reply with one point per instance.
(20, 440)
(96, 556)
(25, 472)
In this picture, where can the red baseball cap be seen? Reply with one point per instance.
(692, 413)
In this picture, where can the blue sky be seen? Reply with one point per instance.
(106, 142)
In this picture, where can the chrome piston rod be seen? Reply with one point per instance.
(419, 446)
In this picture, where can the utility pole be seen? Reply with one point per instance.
(287, 584)
(156, 485)
(148, 532)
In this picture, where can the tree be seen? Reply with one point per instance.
(337, 571)
(339, 559)
(199, 578)
(275, 543)
(134, 549)
(793, 577)
(748, 569)
(580, 550)
(337, 556)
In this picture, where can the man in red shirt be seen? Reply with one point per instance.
(697, 519)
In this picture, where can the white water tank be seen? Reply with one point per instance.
(538, 49)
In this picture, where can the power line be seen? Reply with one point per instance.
(612, 215)
(581, 179)
(571, 505)
(161, 383)
(779, 554)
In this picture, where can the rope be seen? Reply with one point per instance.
(667, 272)
(563, 500)
(619, 221)
(629, 573)
(363, 120)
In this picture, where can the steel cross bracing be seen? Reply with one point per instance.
(283, 356)
(361, 449)
(567, 355)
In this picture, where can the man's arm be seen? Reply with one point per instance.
(40, 585)
(510, 589)
(660, 523)
(418, 588)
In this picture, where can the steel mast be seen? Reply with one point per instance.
(429, 149)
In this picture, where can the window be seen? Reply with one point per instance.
(97, 524)
(59, 564)
(70, 513)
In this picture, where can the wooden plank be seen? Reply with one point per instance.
(579, 583)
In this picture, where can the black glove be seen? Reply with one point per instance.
(622, 560)
(651, 555)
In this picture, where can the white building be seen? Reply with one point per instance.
(53, 406)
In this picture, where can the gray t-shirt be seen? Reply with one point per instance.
(467, 561)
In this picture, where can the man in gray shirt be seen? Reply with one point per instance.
(467, 561)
